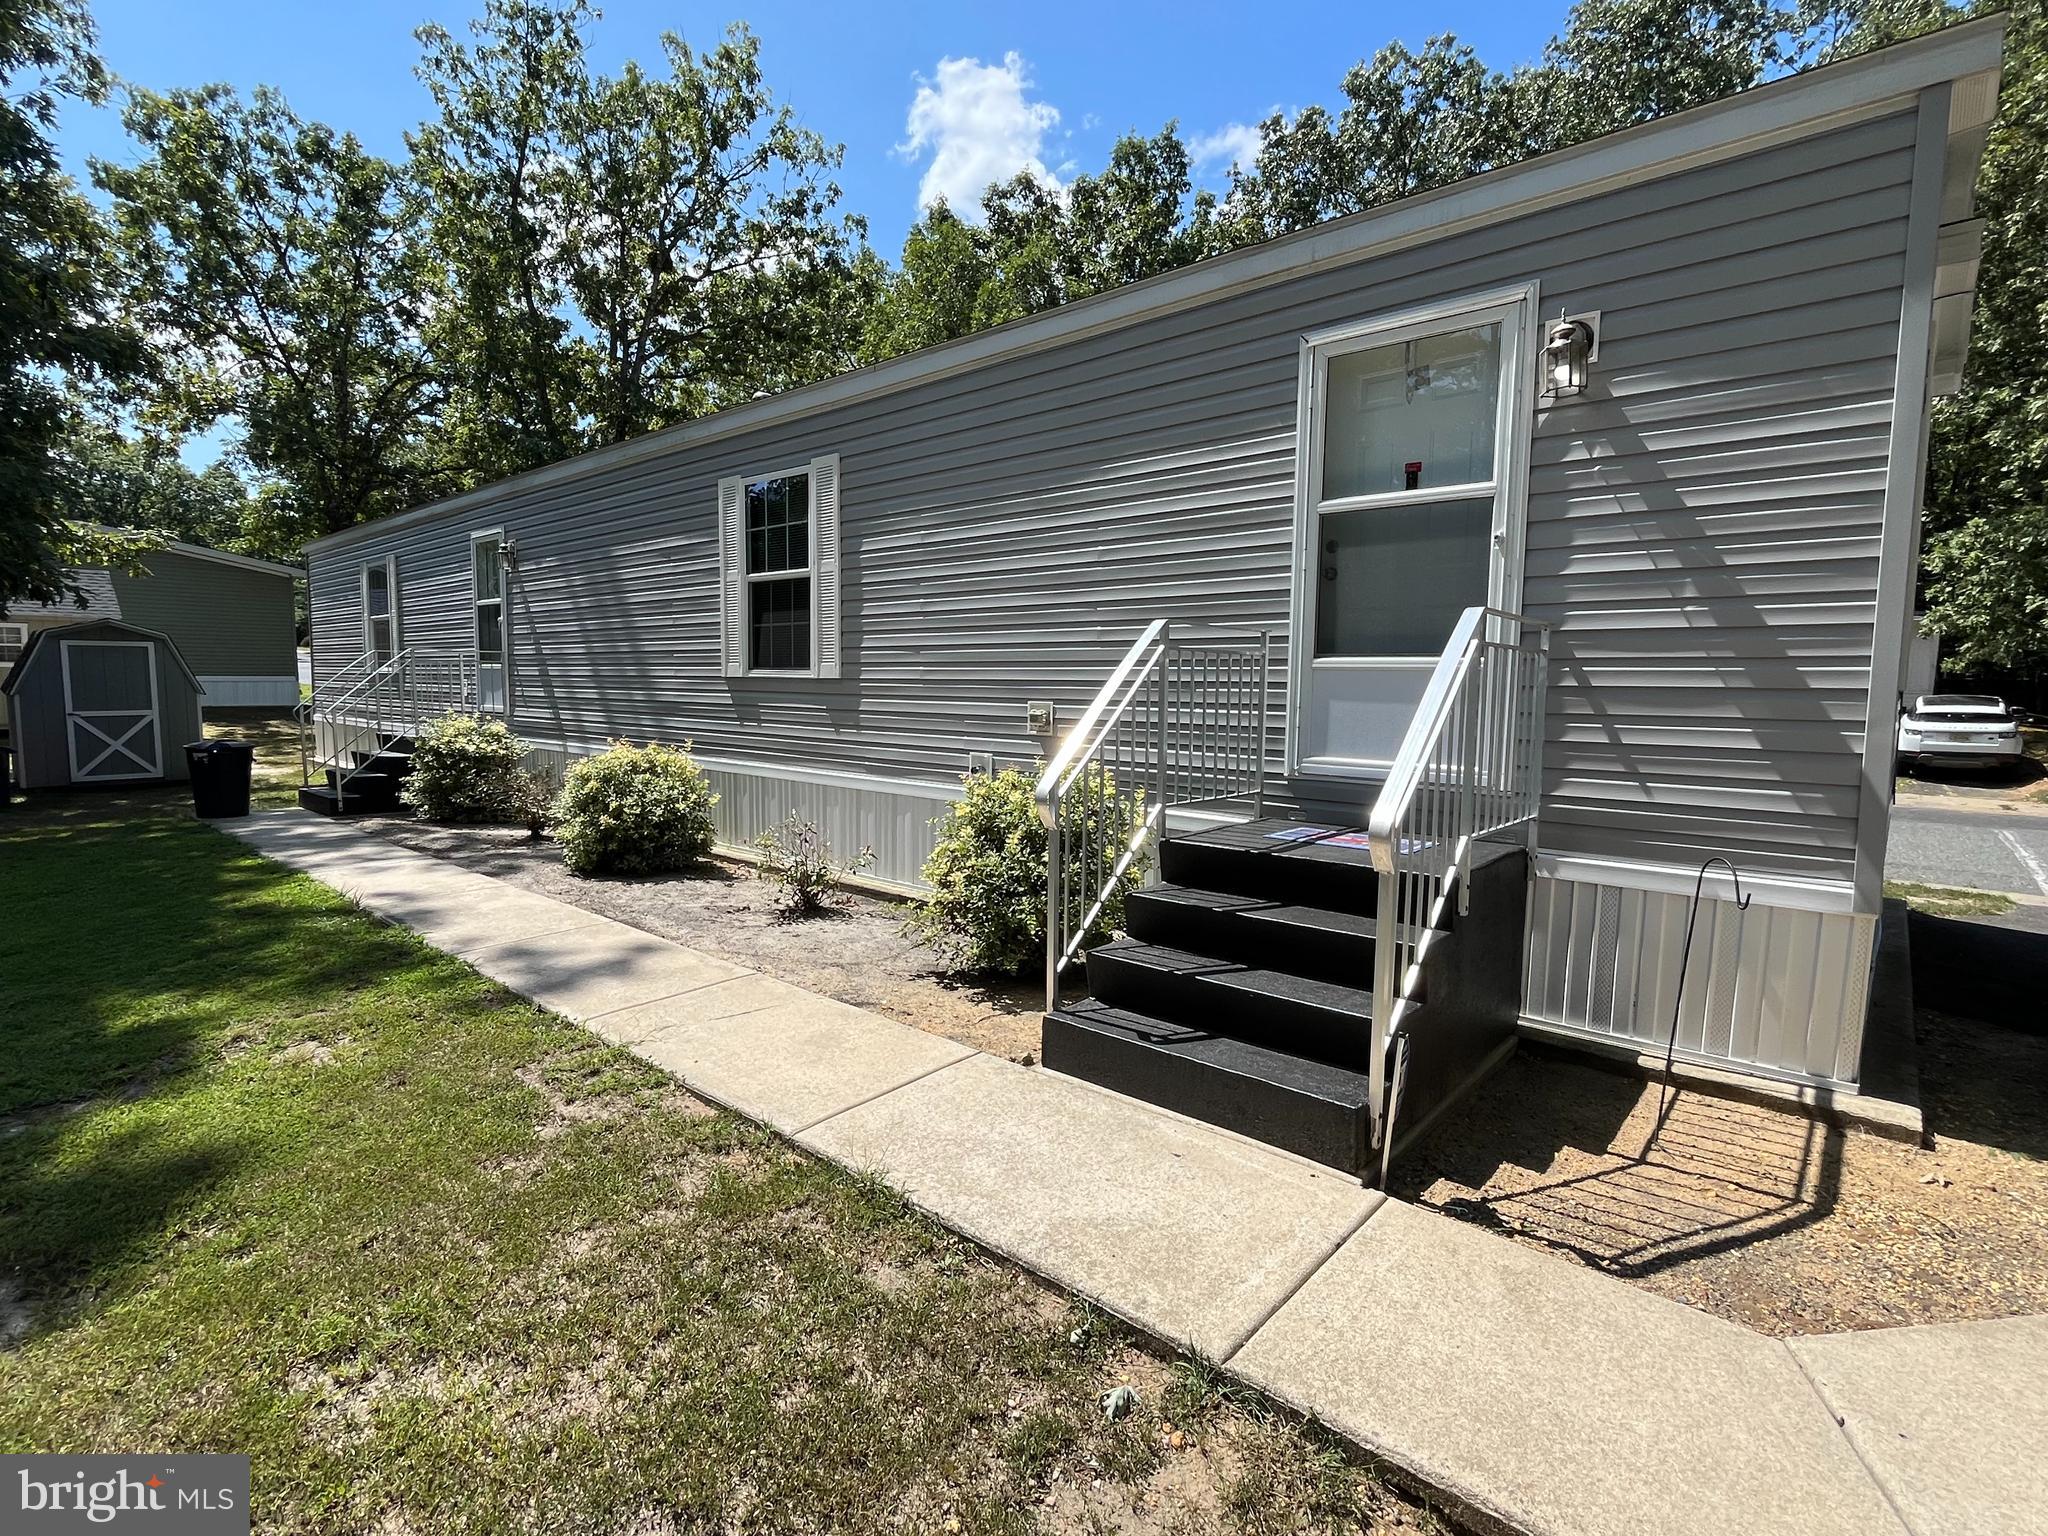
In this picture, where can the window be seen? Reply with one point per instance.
(779, 581)
(778, 513)
(488, 583)
(12, 638)
(487, 606)
(1404, 511)
(380, 607)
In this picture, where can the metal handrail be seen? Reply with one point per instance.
(307, 708)
(397, 697)
(1181, 720)
(1470, 766)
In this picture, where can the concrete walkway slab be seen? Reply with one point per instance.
(783, 1055)
(584, 972)
(1951, 1418)
(1558, 1399)
(1191, 1234)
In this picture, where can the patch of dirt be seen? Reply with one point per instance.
(855, 951)
(15, 1316)
(1758, 1215)
(566, 1110)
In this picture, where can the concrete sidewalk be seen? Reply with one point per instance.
(1517, 1387)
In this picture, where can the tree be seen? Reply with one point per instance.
(680, 196)
(1038, 246)
(488, 169)
(139, 482)
(277, 257)
(57, 321)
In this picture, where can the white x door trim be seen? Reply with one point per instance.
(148, 765)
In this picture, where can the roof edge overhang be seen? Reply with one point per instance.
(1965, 57)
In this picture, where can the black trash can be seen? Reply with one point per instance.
(220, 777)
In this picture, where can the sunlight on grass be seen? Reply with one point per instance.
(282, 1180)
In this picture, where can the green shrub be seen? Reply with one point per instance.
(797, 858)
(986, 913)
(464, 768)
(634, 811)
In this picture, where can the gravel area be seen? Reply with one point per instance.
(856, 951)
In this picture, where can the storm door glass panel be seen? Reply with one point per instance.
(1412, 415)
(1393, 581)
(377, 629)
(778, 534)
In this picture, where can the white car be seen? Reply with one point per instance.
(1960, 728)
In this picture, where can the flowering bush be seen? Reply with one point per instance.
(634, 811)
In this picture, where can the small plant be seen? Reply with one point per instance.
(797, 858)
(986, 913)
(464, 768)
(635, 811)
(530, 799)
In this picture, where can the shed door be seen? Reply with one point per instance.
(112, 728)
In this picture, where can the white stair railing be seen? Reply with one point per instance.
(391, 698)
(1181, 722)
(1470, 766)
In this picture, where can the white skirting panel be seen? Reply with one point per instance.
(249, 692)
(1772, 990)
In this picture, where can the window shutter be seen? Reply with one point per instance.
(732, 577)
(825, 563)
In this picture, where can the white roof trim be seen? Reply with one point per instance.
(222, 557)
(1797, 106)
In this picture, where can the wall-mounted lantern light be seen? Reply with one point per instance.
(1569, 347)
(508, 554)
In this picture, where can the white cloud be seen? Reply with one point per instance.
(1232, 144)
(975, 120)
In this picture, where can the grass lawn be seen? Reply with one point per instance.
(1948, 900)
(278, 1179)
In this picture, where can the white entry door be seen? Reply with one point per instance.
(1407, 513)
(112, 727)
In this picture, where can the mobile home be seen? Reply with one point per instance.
(1558, 522)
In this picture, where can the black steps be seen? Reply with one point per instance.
(1300, 1015)
(1318, 942)
(373, 782)
(1241, 993)
(1311, 1108)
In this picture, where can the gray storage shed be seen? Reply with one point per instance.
(101, 703)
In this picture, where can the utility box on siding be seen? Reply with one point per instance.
(100, 704)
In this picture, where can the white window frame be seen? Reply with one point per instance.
(476, 628)
(15, 635)
(389, 565)
(821, 570)
(1517, 308)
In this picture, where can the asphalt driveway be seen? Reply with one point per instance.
(1985, 850)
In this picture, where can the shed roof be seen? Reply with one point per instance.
(101, 602)
(43, 640)
(1966, 57)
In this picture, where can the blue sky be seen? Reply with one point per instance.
(925, 97)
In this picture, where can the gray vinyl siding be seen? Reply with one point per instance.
(228, 621)
(1702, 526)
